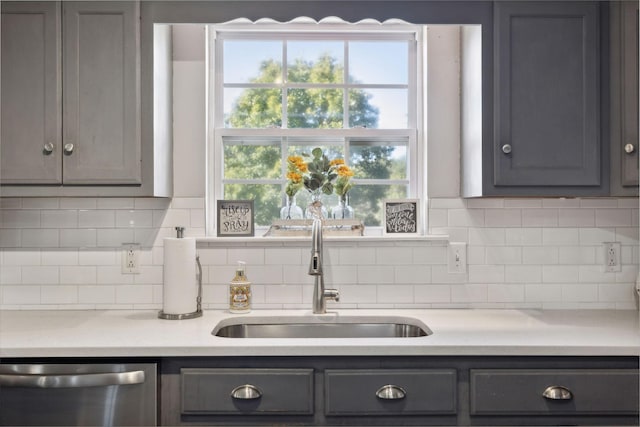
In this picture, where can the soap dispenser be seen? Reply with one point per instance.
(240, 291)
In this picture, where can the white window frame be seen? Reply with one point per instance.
(337, 29)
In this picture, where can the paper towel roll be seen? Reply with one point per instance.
(180, 289)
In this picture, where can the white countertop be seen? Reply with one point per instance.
(116, 333)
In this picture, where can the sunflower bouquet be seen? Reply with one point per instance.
(318, 174)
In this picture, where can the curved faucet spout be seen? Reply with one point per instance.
(320, 294)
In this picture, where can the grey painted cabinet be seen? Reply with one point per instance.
(624, 98)
(101, 99)
(31, 94)
(399, 390)
(547, 137)
(71, 104)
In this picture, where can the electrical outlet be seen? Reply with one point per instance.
(130, 258)
(457, 257)
(612, 257)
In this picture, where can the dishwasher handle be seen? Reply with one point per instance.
(72, 381)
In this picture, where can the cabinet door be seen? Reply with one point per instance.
(547, 95)
(31, 115)
(101, 93)
(624, 98)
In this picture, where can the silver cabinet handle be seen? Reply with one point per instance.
(68, 148)
(391, 392)
(557, 392)
(48, 148)
(72, 381)
(506, 148)
(629, 148)
(246, 392)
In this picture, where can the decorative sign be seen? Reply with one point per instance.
(401, 216)
(235, 218)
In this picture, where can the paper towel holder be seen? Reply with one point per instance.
(198, 312)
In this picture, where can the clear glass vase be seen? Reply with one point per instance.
(342, 210)
(315, 208)
(291, 210)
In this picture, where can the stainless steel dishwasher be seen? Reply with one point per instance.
(105, 394)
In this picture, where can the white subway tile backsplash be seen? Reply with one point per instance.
(79, 238)
(40, 275)
(486, 273)
(523, 273)
(540, 217)
(20, 218)
(63, 294)
(560, 236)
(560, 273)
(40, 203)
(59, 257)
(505, 293)
(417, 274)
(576, 217)
(105, 218)
(504, 218)
(522, 253)
(540, 255)
(375, 274)
(41, 237)
(581, 292)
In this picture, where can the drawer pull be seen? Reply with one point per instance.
(391, 392)
(246, 392)
(557, 392)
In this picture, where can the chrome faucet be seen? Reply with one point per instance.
(320, 294)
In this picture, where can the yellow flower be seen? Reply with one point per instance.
(294, 177)
(344, 171)
(336, 162)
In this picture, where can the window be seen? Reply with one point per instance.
(282, 89)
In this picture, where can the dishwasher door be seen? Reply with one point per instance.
(105, 394)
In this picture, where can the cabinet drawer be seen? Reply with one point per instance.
(276, 391)
(592, 391)
(355, 392)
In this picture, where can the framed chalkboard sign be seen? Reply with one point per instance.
(401, 216)
(235, 218)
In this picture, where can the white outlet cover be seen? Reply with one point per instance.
(457, 257)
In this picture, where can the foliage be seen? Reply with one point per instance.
(311, 108)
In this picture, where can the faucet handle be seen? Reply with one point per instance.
(332, 294)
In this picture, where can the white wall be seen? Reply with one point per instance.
(62, 253)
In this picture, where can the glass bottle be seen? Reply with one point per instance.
(342, 210)
(291, 210)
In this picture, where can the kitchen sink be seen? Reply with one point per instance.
(322, 327)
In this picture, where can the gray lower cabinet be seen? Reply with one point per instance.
(547, 137)
(624, 98)
(553, 392)
(399, 391)
(389, 392)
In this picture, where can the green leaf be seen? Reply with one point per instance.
(317, 152)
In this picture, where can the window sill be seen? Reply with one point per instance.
(355, 239)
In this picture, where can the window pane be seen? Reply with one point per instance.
(315, 62)
(252, 61)
(378, 161)
(378, 108)
(252, 162)
(252, 108)
(377, 62)
(267, 199)
(366, 201)
(315, 108)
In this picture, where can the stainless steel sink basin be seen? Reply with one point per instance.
(321, 327)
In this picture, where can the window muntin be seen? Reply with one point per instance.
(368, 114)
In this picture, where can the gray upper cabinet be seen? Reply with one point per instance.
(71, 101)
(624, 98)
(101, 93)
(31, 90)
(547, 137)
